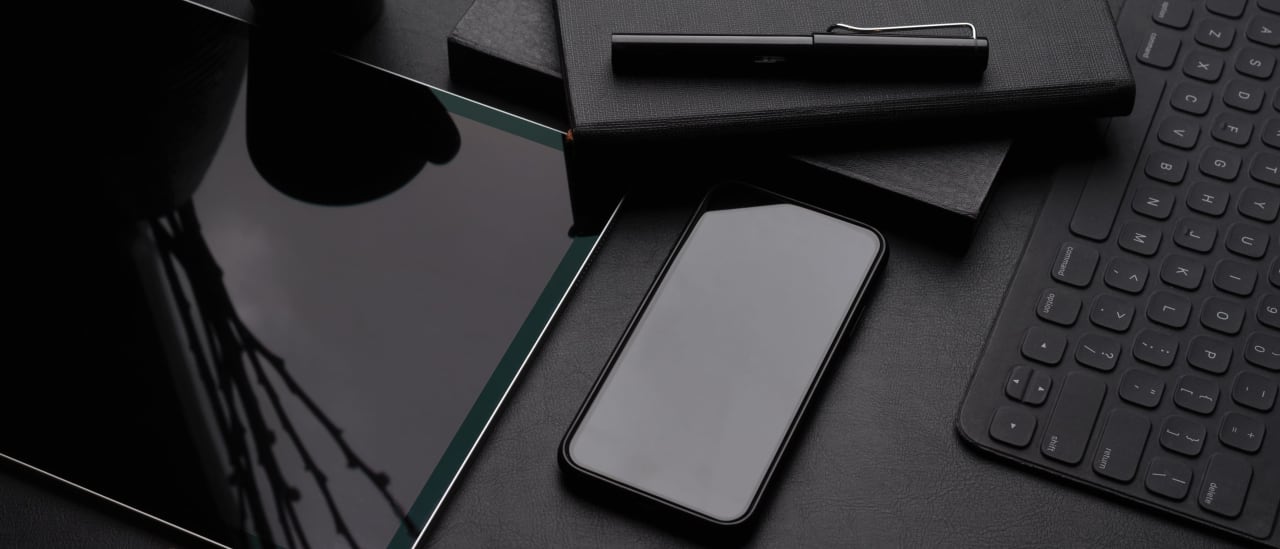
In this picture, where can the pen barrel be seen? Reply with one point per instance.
(921, 56)
(704, 53)
(843, 56)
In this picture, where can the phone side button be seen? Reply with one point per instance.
(1013, 426)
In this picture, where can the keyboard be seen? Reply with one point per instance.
(1137, 350)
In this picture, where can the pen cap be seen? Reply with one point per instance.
(919, 56)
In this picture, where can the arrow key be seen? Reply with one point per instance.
(1013, 426)
(1043, 345)
(1038, 390)
(1018, 380)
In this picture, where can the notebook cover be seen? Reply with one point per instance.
(514, 44)
(1047, 58)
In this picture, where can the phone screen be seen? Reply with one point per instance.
(703, 393)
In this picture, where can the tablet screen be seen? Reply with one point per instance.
(299, 290)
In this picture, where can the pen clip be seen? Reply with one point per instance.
(973, 32)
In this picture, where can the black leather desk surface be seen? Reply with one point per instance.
(878, 463)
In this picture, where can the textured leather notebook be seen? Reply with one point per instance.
(1047, 58)
(513, 44)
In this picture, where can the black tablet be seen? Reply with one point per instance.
(287, 295)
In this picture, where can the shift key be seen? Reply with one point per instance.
(1073, 417)
(1159, 48)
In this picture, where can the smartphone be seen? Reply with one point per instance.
(700, 397)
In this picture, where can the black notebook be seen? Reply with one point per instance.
(1047, 58)
(513, 44)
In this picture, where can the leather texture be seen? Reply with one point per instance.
(1046, 56)
(877, 461)
(513, 44)
(37, 513)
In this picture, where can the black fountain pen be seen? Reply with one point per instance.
(844, 51)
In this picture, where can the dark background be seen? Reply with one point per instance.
(881, 430)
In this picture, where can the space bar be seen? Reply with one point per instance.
(1096, 210)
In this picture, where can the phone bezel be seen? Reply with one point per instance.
(850, 318)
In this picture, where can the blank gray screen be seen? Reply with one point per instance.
(706, 388)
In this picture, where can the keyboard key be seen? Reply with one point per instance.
(1209, 354)
(1153, 202)
(1271, 133)
(1013, 426)
(1167, 167)
(1226, 481)
(1182, 435)
(1172, 13)
(1220, 163)
(1168, 478)
(1269, 311)
(1215, 33)
(1160, 49)
(1208, 198)
(1169, 309)
(1222, 316)
(1120, 448)
(1232, 128)
(1226, 8)
(1179, 132)
(1264, 30)
(1019, 378)
(1194, 234)
(1075, 264)
(1243, 95)
(1057, 307)
(1259, 204)
(1254, 390)
(1139, 238)
(1235, 277)
(1196, 394)
(1266, 168)
(1256, 63)
(1241, 432)
(1203, 66)
(1191, 98)
(1096, 351)
(1274, 273)
(1067, 434)
(1125, 275)
(1263, 350)
(1141, 388)
(1111, 313)
(1038, 389)
(1043, 345)
(1272, 6)
(1182, 272)
(1247, 240)
(1155, 348)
